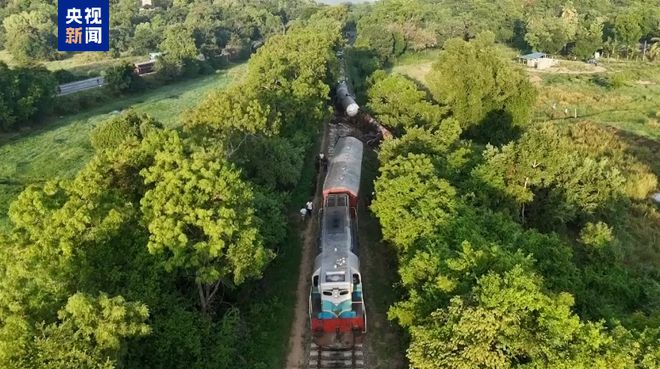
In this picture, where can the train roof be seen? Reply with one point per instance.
(336, 258)
(345, 168)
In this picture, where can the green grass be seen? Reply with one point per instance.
(81, 64)
(633, 107)
(61, 147)
(415, 65)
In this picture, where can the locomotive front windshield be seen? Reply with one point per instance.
(335, 277)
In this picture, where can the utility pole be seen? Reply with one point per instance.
(644, 52)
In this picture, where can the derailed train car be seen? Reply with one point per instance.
(345, 100)
(336, 302)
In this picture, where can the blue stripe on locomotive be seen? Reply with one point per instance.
(341, 310)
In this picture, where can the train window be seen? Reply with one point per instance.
(327, 293)
(335, 277)
(332, 201)
(342, 201)
(343, 292)
(356, 278)
(315, 281)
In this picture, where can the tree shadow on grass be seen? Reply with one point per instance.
(645, 149)
(497, 128)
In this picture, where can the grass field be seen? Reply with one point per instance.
(61, 147)
(416, 65)
(626, 96)
(81, 64)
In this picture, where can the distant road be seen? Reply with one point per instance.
(73, 87)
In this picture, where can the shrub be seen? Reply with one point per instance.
(596, 235)
(112, 132)
(121, 78)
(64, 76)
(617, 80)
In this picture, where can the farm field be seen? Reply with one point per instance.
(61, 147)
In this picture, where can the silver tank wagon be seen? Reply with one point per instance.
(345, 100)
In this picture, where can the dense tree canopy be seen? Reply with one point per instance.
(570, 28)
(508, 321)
(484, 91)
(200, 215)
(565, 174)
(399, 104)
(511, 255)
(30, 35)
(137, 260)
(27, 93)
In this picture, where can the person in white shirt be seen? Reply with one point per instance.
(303, 214)
(309, 206)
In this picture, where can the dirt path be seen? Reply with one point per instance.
(588, 69)
(297, 356)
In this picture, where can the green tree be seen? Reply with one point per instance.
(589, 39)
(551, 34)
(546, 34)
(627, 29)
(30, 35)
(110, 134)
(178, 43)
(291, 74)
(90, 333)
(179, 52)
(200, 216)
(376, 37)
(482, 88)
(398, 103)
(230, 115)
(596, 235)
(412, 203)
(121, 78)
(508, 321)
(146, 38)
(564, 173)
(27, 93)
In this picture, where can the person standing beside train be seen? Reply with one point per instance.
(309, 207)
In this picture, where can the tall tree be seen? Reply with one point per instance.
(200, 215)
(627, 29)
(589, 39)
(30, 35)
(412, 201)
(484, 91)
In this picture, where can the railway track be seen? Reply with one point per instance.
(337, 128)
(325, 358)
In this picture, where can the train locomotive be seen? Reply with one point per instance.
(336, 303)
